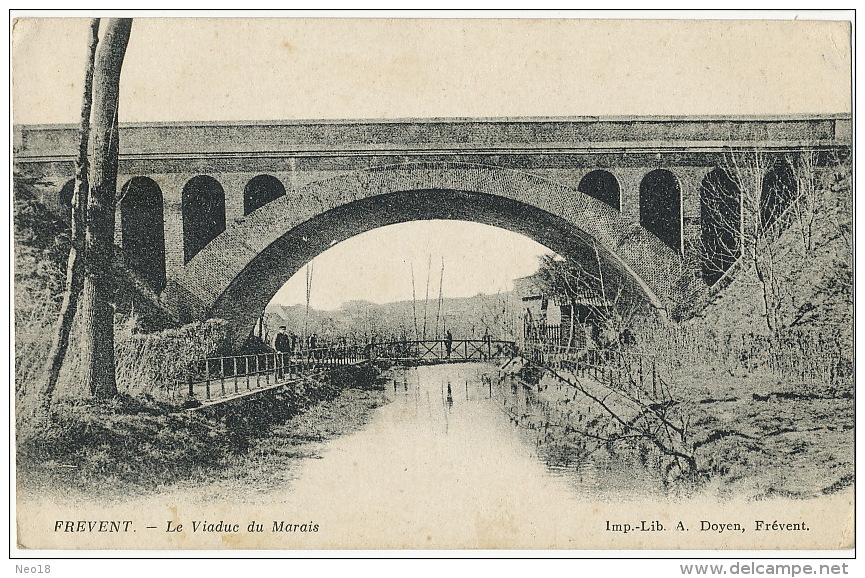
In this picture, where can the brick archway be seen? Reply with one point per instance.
(239, 271)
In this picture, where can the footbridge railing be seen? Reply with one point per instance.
(441, 350)
(218, 378)
(233, 375)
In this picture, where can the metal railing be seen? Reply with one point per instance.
(615, 368)
(443, 350)
(796, 357)
(225, 376)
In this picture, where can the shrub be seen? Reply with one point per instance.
(150, 363)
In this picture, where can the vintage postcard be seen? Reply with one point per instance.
(298, 284)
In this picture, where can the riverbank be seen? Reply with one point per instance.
(137, 447)
(272, 461)
(758, 437)
(750, 436)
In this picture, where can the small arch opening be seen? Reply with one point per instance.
(661, 207)
(601, 185)
(779, 188)
(203, 208)
(143, 230)
(66, 195)
(261, 190)
(720, 224)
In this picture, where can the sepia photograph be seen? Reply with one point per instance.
(467, 284)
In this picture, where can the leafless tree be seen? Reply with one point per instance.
(97, 313)
(75, 264)
(789, 221)
(89, 270)
(609, 297)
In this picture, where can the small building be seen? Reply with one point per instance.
(549, 318)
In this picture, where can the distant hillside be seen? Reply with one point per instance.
(466, 318)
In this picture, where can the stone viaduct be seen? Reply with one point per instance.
(217, 216)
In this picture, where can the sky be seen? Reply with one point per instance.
(185, 69)
(263, 68)
(375, 266)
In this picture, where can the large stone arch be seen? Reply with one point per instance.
(239, 271)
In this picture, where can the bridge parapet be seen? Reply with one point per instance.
(222, 199)
(201, 140)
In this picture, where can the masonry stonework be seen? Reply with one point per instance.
(344, 177)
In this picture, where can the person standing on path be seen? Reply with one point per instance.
(282, 345)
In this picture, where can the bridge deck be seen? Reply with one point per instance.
(217, 380)
(442, 350)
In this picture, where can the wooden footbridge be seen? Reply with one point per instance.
(215, 380)
(442, 350)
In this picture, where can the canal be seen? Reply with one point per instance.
(428, 470)
(446, 464)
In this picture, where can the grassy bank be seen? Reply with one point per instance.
(755, 436)
(749, 435)
(138, 446)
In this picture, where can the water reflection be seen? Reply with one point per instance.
(473, 405)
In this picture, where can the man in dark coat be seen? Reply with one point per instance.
(282, 344)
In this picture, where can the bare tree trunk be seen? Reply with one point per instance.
(764, 274)
(97, 313)
(75, 264)
(748, 170)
